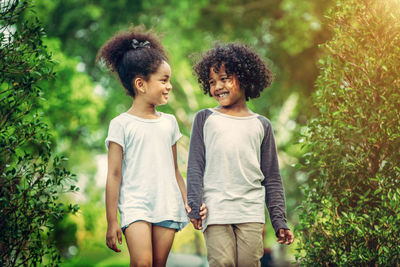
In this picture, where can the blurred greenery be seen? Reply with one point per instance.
(83, 98)
(32, 177)
(350, 216)
(80, 102)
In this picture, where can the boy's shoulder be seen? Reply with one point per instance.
(203, 114)
(204, 111)
(265, 122)
(263, 119)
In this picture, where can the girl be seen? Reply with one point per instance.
(143, 176)
(233, 161)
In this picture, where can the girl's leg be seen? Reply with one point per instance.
(138, 239)
(162, 241)
(249, 242)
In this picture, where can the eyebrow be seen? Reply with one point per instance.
(220, 75)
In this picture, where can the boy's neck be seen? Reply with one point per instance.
(235, 110)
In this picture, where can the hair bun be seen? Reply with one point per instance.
(136, 44)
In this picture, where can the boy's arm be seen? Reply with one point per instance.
(114, 177)
(196, 166)
(274, 192)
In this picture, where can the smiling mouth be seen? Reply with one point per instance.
(222, 95)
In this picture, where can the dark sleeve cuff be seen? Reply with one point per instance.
(195, 213)
(279, 225)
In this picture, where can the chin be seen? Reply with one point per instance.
(224, 104)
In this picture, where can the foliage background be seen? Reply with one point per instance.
(351, 209)
(83, 98)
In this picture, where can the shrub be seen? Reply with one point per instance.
(351, 212)
(31, 179)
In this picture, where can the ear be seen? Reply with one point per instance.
(140, 84)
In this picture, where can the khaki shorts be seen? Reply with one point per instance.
(234, 245)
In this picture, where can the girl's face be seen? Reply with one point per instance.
(159, 85)
(225, 88)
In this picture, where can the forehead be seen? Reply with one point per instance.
(163, 69)
(215, 71)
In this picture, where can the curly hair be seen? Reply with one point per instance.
(128, 60)
(239, 59)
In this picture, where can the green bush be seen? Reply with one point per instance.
(31, 179)
(351, 211)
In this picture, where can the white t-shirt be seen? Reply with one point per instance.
(149, 190)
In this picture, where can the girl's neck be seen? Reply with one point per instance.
(143, 110)
(235, 110)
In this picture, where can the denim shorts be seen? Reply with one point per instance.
(166, 224)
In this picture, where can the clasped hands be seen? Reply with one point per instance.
(197, 223)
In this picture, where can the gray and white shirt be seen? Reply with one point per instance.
(231, 160)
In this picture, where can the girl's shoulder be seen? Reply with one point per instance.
(120, 119)
(167, 116)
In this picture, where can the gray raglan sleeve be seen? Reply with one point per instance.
(274, 192)
(196, 165)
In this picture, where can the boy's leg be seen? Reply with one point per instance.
(138, 239)
(221, 245)
(249, 242)
(162, 242)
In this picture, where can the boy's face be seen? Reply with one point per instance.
(225, 88)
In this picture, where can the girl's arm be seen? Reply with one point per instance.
(197, 223)
(114, 177)
(178, 176)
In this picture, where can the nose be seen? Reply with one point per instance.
(219, 85)
(169, 86)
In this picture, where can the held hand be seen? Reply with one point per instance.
(188, 209)
(113, 233)
(203, 211)
(285, 236)
(197, 223)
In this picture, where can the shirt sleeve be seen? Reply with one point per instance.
(274, 192)
(176, 135)
(196, 165)
(115, 134)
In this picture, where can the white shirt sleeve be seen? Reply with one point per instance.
(115, 134)
(176, 134)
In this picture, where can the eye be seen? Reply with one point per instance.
(211, 82)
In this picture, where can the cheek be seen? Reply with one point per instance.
(211, 90)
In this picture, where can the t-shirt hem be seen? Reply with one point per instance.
(177, 138)
(228, 221)
(154, 220)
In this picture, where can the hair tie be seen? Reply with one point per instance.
(136, 44)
